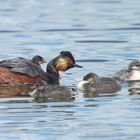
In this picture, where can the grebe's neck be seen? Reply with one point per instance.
(52, 75)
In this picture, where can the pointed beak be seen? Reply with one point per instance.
(44, 61)
(78, 66)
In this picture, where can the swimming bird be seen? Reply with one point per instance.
(12, 89)
(63, 62)
(49, 87)
(130, 74)
(93, 83)
(22, 71)
(44, 91)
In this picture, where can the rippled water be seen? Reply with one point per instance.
(104, 36)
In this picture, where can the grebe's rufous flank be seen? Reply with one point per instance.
(20, 71)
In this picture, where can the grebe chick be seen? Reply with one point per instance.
(93, 83)
(130, 74)
(43, 90)
(37, 59)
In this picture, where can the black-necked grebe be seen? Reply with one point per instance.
(62, 62)
(130, 74)
(21, 71)
(93, 83)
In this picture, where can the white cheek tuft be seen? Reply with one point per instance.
(80, 85)
(135, 75)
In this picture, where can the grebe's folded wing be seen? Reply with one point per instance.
(22, 65)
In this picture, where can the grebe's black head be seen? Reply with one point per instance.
(134, 65)
(63, 62)
(66, 61)
(37, 59)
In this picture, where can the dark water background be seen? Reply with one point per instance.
(103, 35)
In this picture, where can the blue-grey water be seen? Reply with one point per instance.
(104, 36)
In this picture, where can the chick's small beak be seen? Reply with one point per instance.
(78, 66)
(44, 61)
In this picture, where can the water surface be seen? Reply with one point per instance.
(104, 36)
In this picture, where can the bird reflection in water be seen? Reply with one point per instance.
(43, 100)
(15, 91)
(97, 94)
(134, 87)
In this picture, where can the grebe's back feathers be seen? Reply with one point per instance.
(22, 65)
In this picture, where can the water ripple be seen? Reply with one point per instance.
(92, 60)
(66, 30)
(104, 29)
(9, 31)
(124, 28)
(101, 41)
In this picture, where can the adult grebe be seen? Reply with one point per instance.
(21, 71)
(9, 89)
(62, 62)
(18, 71)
